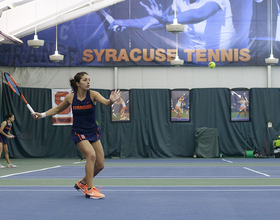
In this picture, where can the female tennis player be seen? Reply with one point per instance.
(242, 107)
(85, 132)
(4, 135)
(121, 102)
(178, 106)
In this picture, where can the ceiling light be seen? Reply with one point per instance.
(177, 61)
(175, 27)
(56, 57)
(35, 43)
(271, 60)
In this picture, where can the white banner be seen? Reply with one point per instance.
(65, 117)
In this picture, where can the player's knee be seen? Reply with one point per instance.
(91, 157)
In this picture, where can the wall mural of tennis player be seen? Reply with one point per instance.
(180, 105)
(239, 104)
(120, 110)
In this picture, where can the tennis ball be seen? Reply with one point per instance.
(212, 65)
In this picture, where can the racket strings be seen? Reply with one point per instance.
(24, 135)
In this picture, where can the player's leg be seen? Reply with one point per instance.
(177, 108)
(1, 149)
(240, 111)
(6, 153)
(88, 151)
(179, 112)
(99, 162)
(94, 193)
(85, 148)
(122, 110)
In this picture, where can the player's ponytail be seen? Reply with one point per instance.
(76, 78)
(73, 85)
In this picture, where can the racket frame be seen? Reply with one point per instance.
(26, 135)
(19, 93)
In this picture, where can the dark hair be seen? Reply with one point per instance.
(9, 116)
(76, 78)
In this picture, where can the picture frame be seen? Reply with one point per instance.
(120, 110)
(180, 105)
(240, 105)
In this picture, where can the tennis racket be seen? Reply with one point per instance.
(110, 19)
(24, 135)
(14, 86)
(245, 97)
(234, 93)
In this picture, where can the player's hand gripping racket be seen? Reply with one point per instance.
(14, 86)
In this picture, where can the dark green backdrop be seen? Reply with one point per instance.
(150, 134)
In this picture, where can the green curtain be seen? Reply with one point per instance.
(150, 133)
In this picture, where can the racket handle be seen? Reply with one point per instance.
(30, 108)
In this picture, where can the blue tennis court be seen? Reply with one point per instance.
(233, 188)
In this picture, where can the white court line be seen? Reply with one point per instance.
(256, 171)
(79, 162)
(165, 177)
(147, 190)
(31, 171)
(227, 161)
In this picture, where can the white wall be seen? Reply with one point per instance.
(148, 77)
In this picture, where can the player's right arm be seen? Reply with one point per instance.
(53, 111)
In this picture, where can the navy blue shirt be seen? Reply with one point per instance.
(6, 130)
(84, 115)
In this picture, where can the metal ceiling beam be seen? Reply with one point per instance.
(21, 20)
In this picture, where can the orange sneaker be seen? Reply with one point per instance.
(81, 187)
(94, 193)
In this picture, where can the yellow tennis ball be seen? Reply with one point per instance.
(212, 65)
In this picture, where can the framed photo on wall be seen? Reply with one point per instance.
(180, 105)
(240, 104)
(120, 110)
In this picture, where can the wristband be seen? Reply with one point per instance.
(43, 115)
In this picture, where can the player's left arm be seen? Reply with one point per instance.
(97, 97)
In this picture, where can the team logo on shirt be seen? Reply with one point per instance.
(80, 107)
(83, 136)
